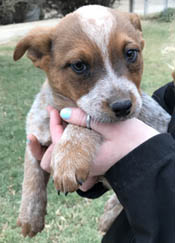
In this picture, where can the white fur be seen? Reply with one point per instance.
(92, 21)
(37, 122)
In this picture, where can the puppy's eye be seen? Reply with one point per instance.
(131, 55)
(79, 67)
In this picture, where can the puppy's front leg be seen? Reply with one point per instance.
(72, 157)
(34, 197)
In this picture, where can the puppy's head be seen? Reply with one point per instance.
(94, 57)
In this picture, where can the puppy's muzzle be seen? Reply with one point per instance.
(121, 108)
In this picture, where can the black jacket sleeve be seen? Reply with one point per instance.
(165, 96)
(144, 182)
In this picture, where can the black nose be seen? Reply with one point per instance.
(122, 107)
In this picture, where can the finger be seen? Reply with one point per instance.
(74, 116)
(56, 127)
(49, 108)
(46, 160)
(89, 183)
(35, 147)
(78, 117)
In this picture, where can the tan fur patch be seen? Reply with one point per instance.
(38, 45)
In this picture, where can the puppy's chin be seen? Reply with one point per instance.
(105, 117)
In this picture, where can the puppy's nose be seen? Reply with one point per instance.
(122, 107)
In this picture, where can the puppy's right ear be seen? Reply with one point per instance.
(135, 21)
(38, 44)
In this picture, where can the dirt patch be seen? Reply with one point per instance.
(16, 31)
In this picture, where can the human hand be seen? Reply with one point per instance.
(118, 140)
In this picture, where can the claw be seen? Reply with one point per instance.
(80, 181)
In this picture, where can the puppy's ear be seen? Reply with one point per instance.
(38, 45)
(135, 21)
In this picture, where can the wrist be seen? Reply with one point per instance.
(122, 138)
(136, 133)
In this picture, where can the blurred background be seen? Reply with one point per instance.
(18, 11)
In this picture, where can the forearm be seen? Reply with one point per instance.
(144, 182)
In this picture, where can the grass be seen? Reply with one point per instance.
(70, 219)
(168, 15)
(159, 54)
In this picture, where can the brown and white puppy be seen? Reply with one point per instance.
(93, 60)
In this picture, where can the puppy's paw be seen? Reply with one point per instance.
(70, 166)
(29, 229)
(31, 218)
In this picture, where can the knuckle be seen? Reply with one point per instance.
(82, 119)
(78, 117)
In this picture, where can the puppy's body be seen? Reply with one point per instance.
(93, 60)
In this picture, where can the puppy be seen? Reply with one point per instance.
(92, 59)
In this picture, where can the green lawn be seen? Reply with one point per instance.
(70, 219)
(159, 54)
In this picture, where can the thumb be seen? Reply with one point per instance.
(78, 117)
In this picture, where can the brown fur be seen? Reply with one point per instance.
(118, 44)
(132, 40)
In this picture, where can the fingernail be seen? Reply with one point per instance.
(66, 113)
(28, 141)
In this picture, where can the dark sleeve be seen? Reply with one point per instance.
(165, 96)
(96, 191)
(144, 182)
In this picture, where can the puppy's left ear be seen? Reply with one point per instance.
(135, 21)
